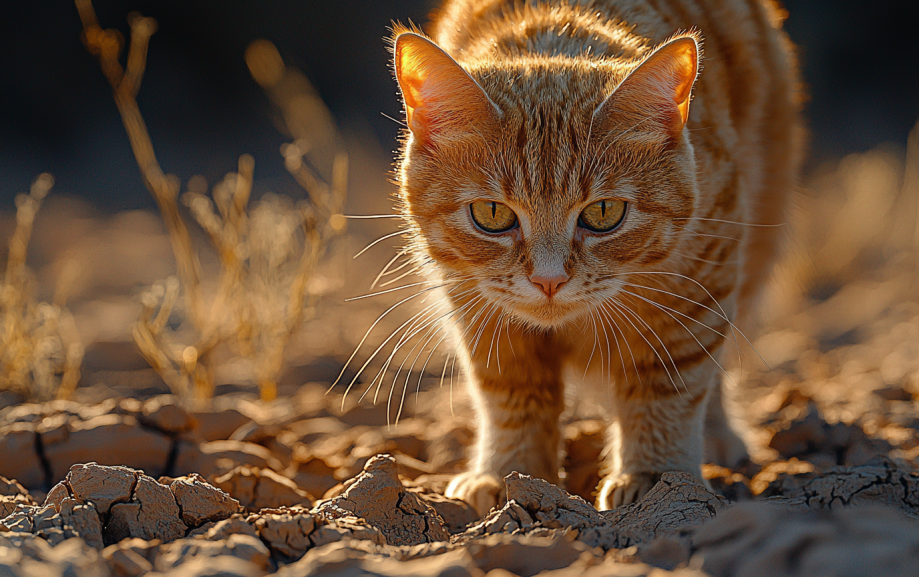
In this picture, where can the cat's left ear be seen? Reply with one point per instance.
(655, 96)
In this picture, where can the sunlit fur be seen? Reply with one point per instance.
(647, 307)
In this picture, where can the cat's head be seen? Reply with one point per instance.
(546, 180)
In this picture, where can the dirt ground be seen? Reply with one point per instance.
(127, 480)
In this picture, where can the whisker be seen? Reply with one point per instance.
(367, 334)
(659, 340)
(411, 321)
(410, 271)
(378, 241)
(609, 314)
(590, 358)
(723, 313)
(387, 291)
(667, 310)
(379, 348)
(657, 304)
(623, 310)
(776, 225)
(714, 236)
(407, 335)
(371, 216)
(385, 268)
(399, 122)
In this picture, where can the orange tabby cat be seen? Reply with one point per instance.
(580, 178)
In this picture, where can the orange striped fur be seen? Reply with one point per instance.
(547, 107)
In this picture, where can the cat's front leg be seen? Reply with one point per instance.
(517, 409)
(657, 429)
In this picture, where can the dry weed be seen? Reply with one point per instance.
(267, 254)
(40, 350)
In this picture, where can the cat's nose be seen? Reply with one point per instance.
(550, 284)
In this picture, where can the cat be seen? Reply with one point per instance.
(598, 201)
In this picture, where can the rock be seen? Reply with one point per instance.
(109, 440)
(510, 517)
(531, 502)
(341, 559)
(101, 485)
(378, 496)
(201, 502)
(780, 477)
(18, 458)
(218, 425)
(125, 562)
(524, 555)
(222, 529)
(246, 548)
(12, 494)
(811, 438)
(190, 459)
(456, 514)
(47, 522)
(313, 475)
(221, 566)
(162, 414)
(882, 483)
(550, 505)
(346, 528)
(291, 532)
(131, 557)
(287, 532)
(257, 489)
(763, 539)
(29, 556)
(242, 453)
(83, 519)
(731, 485)
(674, 504)
(152, 513)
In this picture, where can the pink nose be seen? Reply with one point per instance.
(549, 285)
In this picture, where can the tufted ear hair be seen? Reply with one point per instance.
(654, 98)
(443, 103)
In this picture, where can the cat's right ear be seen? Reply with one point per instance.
(443, 103)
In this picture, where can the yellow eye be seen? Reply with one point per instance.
(602, 216)
(493, 216)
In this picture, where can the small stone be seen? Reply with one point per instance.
(201, 502)
(378, 496)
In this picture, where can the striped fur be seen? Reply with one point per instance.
(646, 309)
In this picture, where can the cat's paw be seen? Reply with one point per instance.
(624, 489)
(481, 490)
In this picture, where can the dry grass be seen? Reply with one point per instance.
(40, 351)
(267, 253)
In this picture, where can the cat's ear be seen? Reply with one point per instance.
(655, 96)
(443, 103)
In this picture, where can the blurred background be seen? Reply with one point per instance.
(859, 63)
(203, 110)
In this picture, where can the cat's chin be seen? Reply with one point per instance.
(548, 316)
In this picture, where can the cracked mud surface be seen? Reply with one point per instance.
(296, 489)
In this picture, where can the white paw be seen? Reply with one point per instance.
(481, 490)
(625, 489)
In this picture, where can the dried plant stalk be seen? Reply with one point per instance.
(40, 351)
(267, 254)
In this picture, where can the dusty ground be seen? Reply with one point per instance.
(306, 486)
